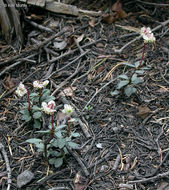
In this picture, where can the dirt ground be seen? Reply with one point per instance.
(127, 140)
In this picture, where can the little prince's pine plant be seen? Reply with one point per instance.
(32, 111)
(57, 138)
(127, 83)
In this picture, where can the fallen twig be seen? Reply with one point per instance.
(2, 149)
(99, 91)
(76, 156)
(151, 178)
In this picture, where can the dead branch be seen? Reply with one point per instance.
(2, 149)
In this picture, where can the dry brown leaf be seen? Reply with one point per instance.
(117, 7)
(69, 91)
(92, 22)
(60, 117)
(163, 186)
(80, 38)
(10, 83)
(108, 18)
(143, 111)
(80, 182)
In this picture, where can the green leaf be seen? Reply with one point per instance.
(56, 161)
(124, 77)
(26, 118)
(25, 112)
(49, 98)
(36, 108)
(128, 64)
(140, 72)
(61, 143)
(45, 94)
(58, 134)
(34, 141)
(34, 96)
(75, 134)
(40, 146)
(37, 124)
(60, 127)
(54, 153)
(129, 90)
(137, 63)
(122, 84)
(73, 145)
(145, 68)
(114, 93)
(134, 77)
(37, 115)
(137, 81)
(43, 132)
(54, 143)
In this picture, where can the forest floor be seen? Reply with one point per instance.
(124, 140)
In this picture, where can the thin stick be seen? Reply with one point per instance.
(98, 92)
(2, 149)
(151, 178)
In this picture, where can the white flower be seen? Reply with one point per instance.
(68, 110)
(21, 90)
(48, 108)
(38, 84)
(147, 35)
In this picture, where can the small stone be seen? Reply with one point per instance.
(24, 178)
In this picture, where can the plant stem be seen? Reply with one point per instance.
(50, 138)
(40, 95)
(142, 54)
(29, 103)
(68, 126)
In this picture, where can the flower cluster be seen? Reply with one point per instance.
(68, 110)
(48, 108)
(147, 35)
(21, 90)
(39, 85)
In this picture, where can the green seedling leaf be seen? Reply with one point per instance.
(61, 143)
(26, 118)
(49, 98)
(137, 81)
(129, 90)
(34, 96)
(45, 94)
(54, 143)
(140, 72)
(137, 63)
(60, 127)
(43, 132)
(73, 145)
(34, 141)
(75, 134)
(56, 161)
(129, 64)
(58, 134)
(115, 93)
(36, 108)
(37, 115)
(54, 153)
(145, 68)
(25, 112)
(122, 84)
(37, 124)
(124, 77)
(134, 77)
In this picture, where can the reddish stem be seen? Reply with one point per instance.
(142, 55)
(68, 127)
(29, 103)
(52, 129)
